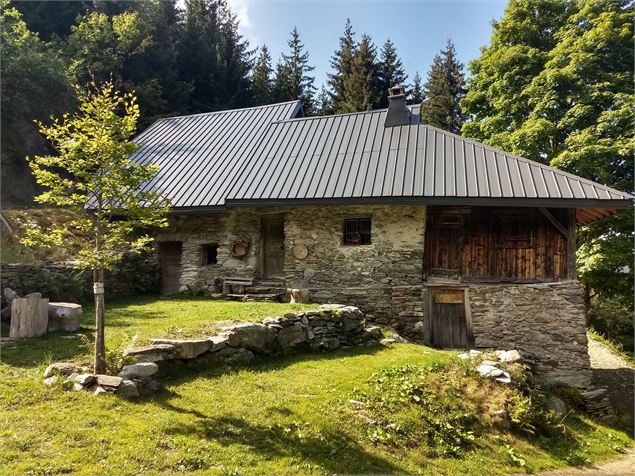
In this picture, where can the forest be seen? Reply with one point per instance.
(554, 84)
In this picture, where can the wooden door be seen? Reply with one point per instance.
(273, 246)
(170, 264)
(443, 245)
(449, 325)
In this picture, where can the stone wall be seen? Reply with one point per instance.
(545, 322)
(136, 274)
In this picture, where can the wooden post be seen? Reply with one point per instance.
(571, 244)
(100, 345)
(29, 317)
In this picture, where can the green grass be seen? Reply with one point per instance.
(283, 415)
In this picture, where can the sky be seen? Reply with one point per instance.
(418, 28)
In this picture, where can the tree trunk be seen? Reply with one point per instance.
(100, 345)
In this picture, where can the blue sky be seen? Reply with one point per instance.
(419, 28)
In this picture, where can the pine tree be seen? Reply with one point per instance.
(342, 64)
(261, 80)
(361, 85)
(390, 72)
(324, 104)
(416, 93)
(443, 91)
(292, 75)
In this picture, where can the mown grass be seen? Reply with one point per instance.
(283, 415)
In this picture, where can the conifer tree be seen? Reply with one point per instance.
(443, 91)
(342, 64)
(324, 104)
(390, 72)
(261, 77)
(361, 85)
(416, 93)
(292, 75)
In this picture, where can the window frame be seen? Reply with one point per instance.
(205, 254)
(517, 218)
(357, 220)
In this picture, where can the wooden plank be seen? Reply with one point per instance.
(571, 245)
(559, 226)
(29, 317)
(449, 297)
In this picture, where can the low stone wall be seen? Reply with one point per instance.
(545, 322)
(61, 282)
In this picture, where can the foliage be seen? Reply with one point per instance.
(93, 167)
(293, 80)
(416, 92)
(443, 91)
(390, 72)
(361, 85)
(261, 77)
(342, 66)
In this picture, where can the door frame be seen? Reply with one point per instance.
(270, 217)
(428, 304)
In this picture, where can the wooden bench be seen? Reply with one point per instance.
(236, 284)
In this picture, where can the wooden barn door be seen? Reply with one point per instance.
(450, 327)
(443, 245)
(170, 263)
(273, 246)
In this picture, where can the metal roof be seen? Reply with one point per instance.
(267, 156)
(201, 155)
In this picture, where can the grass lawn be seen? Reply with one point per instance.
(283, 415)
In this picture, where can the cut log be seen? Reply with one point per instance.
(29, 317)
(64, 316)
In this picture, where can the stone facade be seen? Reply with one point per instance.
(545, 322)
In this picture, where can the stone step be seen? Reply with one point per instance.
(259, 297)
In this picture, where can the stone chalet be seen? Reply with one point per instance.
(454, 243)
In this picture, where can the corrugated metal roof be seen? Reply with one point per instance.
(265, 155)
(201, 155)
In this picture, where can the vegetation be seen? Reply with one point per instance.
(284, 415)
(555, 85)
(93, 167)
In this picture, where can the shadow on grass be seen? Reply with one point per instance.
(620, 383)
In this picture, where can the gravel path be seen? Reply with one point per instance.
(613, 372)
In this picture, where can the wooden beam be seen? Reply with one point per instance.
(571, 244)
(554, 222)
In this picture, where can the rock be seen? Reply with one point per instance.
(217, 343)
(153, 353)
(77, 387)
(99, 390)
(321, 296)
(375, 332)
(153, 386)
(64, 316)
(140, 370)
(494, 372)
(255, 337)
(474, 353)
(300, 296)
(330, 307)
(387, 341)
(61, 368)
(508, 356)
(33, 296)
(464, 356)
(50, 381)
(108, 380)
(128, 388)
(85, 379)
(8, 295)
(186, 349)
(289, 337)
(234, 355)
(555, 404)
(330, 343)
(500, 419)
(492, 363)
(419, 326)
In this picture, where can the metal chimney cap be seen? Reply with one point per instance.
(396, 91)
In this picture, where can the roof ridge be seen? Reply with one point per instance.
(222, 111)
(529, 161)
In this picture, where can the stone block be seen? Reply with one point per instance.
(255, 337)
(185, 349)
(61, 368)
(108, 380)
(140, 370)
(217, 343)
(64, 316)
(128, 389)
(153, 353)
(299, 296)
(290, 337)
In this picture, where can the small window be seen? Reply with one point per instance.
(357, 231)
(210, 254)
(514, 230)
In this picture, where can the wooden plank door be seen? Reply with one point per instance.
(273, 246)
(443, 246)
(449, 325)
(170, 253)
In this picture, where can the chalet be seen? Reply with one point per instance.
(453, 242)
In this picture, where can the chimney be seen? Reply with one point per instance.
(398, 114)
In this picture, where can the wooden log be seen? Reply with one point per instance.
(29, 317)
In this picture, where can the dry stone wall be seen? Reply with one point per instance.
(545, 322)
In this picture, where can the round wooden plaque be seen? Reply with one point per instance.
(300, 251)
(239, 249)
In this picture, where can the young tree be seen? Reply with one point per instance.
(342, 64)
(416, 93)
(261, 77)
(93, 174)
(390, 72)
(360, 86)
(443, 91)
(292, 75)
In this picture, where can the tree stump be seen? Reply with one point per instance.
(29, 317)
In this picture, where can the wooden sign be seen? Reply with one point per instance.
(449, 298)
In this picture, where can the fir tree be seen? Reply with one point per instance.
(443, 91)
(261, 77)
(342, 64)
(361, 85)
(292, 75)
(324, 103)
(416, 93)
(390, 72)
